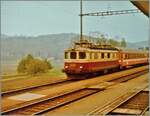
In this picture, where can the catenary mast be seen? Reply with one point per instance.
(81, 26)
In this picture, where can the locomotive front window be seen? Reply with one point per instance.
(73, 55)
(102, 55)
(66, 55)
(82, 55)
(108, 55)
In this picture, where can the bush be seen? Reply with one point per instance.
(31, 65)
(22, 66)
(48, 64)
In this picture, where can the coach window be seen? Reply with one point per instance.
(108, 55)
(66, 55)
(73, 55)
(102, 55)
(82, 55)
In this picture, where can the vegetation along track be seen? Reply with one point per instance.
(50, 104)
(36, 88)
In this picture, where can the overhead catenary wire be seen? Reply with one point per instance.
(115, 12)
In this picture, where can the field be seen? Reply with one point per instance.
(20, 82)
(12, 80)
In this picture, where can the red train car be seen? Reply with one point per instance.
(86, 59)
(133, 57)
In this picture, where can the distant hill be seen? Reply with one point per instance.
(48, 46)
(138, 44)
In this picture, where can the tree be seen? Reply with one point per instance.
(22, 66)
(102, 40)
(147, 48)
(31, 65)
(123, 43)
(48, 63)
(113, 42)
(37, 66)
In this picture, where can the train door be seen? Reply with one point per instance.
(121, 58)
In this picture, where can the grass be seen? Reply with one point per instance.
(55, 72)
(11, 80)
(18, 81)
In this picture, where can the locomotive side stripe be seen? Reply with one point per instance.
(86, 61)
(139, 59)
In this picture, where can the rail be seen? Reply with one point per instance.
(51, 103)
(83, 87)
(108, 107)
(34, 87)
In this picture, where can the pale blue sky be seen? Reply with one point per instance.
(34, 18)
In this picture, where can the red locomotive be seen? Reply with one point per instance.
(86, 59)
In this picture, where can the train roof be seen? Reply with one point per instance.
(85, 45)
(89, 45)
(134, 50)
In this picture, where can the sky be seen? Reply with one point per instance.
(33, 18)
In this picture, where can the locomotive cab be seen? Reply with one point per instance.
(75, 55)
(75, 61)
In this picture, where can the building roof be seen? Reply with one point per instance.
(143, 6)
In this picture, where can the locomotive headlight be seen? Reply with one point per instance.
(81, 66)
(66, 66)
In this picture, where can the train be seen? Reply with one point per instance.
(86, 59)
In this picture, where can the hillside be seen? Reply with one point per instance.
(137, 44)
(47, 46)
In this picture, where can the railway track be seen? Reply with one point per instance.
(133, 102)
(128, 77)
(58, 83)
(112, 82)
(43, 101)
(27, 89)
(137, 105)
(49, 104)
